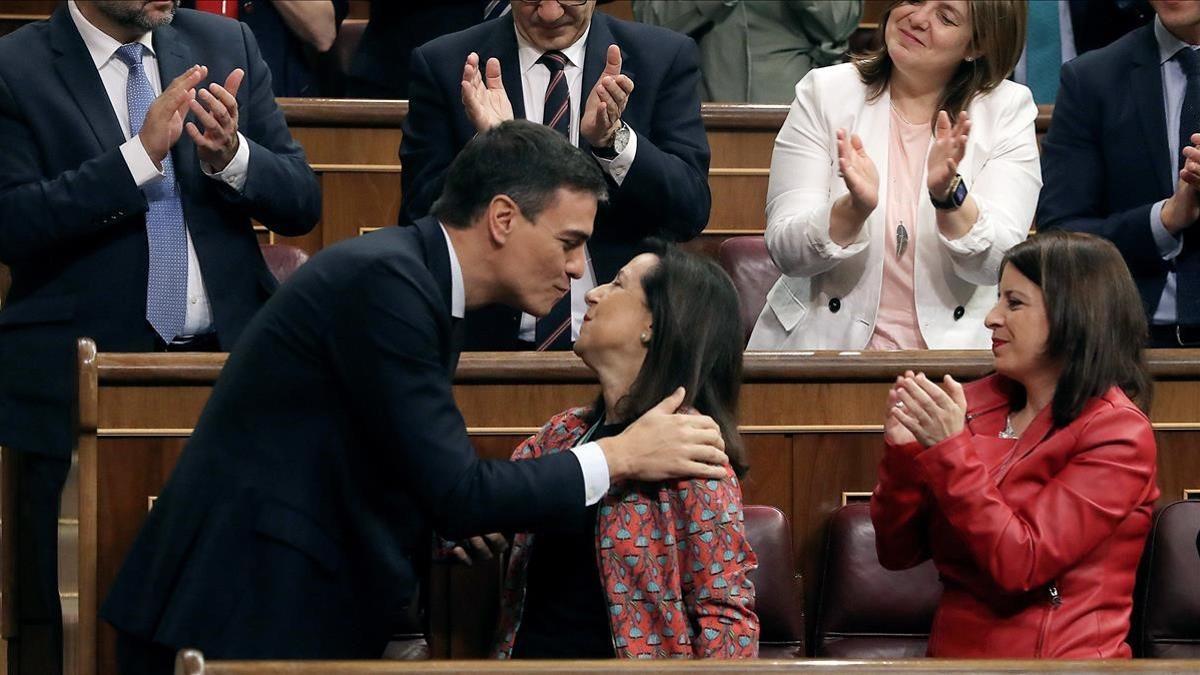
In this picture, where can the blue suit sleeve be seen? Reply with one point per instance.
(1074, 187)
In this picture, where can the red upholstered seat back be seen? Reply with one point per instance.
(1167, 599)
(779, 591)
(865, 611)
(747, 262)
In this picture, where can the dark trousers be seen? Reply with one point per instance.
(38, 647)
(136, 656)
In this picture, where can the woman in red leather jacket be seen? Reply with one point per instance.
(1031, 489)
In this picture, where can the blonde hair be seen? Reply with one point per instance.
(997, 35)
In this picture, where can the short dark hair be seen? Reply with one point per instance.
(1097, 323)
(696, 343)
(528, 162)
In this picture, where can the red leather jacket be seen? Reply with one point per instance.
(1037, 541)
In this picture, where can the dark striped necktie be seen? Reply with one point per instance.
(557, 111)
(553, 331)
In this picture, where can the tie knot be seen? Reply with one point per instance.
(131, 54)
(554, 60)
(1189, 60)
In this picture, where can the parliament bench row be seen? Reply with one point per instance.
(811, 423)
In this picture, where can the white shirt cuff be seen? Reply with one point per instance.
(234, 174)
(141, 167)
(618, 167)
(595, 471)
(1169, 245)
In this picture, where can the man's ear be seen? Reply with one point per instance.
(502, 214)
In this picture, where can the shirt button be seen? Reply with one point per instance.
(193, 301)
(959, 312)
(834, 305)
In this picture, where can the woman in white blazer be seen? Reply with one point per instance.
(890, 232)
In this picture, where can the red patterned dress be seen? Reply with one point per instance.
(672, 558)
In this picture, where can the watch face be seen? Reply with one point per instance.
(960, 192)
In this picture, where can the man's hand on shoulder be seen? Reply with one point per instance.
(663, 444)
(484, 100)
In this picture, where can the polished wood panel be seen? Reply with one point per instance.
(192, 663)
(811, 423)
(353, 145)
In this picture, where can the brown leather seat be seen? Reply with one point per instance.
(747, 262)
(1167, 600)
(283, 259)
(865, 611)
(779, 591)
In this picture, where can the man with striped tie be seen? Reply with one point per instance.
(128, 178)
(626, 93)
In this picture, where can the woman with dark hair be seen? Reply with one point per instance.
(897, 183)
(654, 570)
(1032, 488)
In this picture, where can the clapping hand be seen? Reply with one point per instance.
(1183, 208)
(949, 146)
(217, 110)
(164, 118)
(602, 112)
(484, 99)
(856, 168)
(925, 410)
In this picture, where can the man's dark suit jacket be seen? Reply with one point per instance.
(1099, 23)
(295, 519)
(1106, 161)
(72, 220)
(291, 61)
(666, 191)
(380, 66)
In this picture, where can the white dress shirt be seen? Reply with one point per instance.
(591, 458)
(535, 78)
(115, 76)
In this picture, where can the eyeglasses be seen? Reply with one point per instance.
(564, 3)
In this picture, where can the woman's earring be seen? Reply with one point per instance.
(970, 59)
(645, 338)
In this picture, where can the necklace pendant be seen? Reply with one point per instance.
(901, 239)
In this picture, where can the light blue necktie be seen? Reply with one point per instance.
(1043, 50)
(166, 287)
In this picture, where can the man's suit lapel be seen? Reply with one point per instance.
(1146, 81)
(74, 65)
(174, 55)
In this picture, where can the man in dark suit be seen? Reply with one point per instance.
(566, 66)
(1114, 166)
(123, 223)
(298, 518)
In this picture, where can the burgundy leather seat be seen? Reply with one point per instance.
(1167, 600)
(283, 259)
(865, 611)
(779, 591)
(747, 262)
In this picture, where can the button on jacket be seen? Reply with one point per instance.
(1037, 540)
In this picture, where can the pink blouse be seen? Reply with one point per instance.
(896, 321)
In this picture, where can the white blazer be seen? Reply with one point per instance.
(828, 296)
